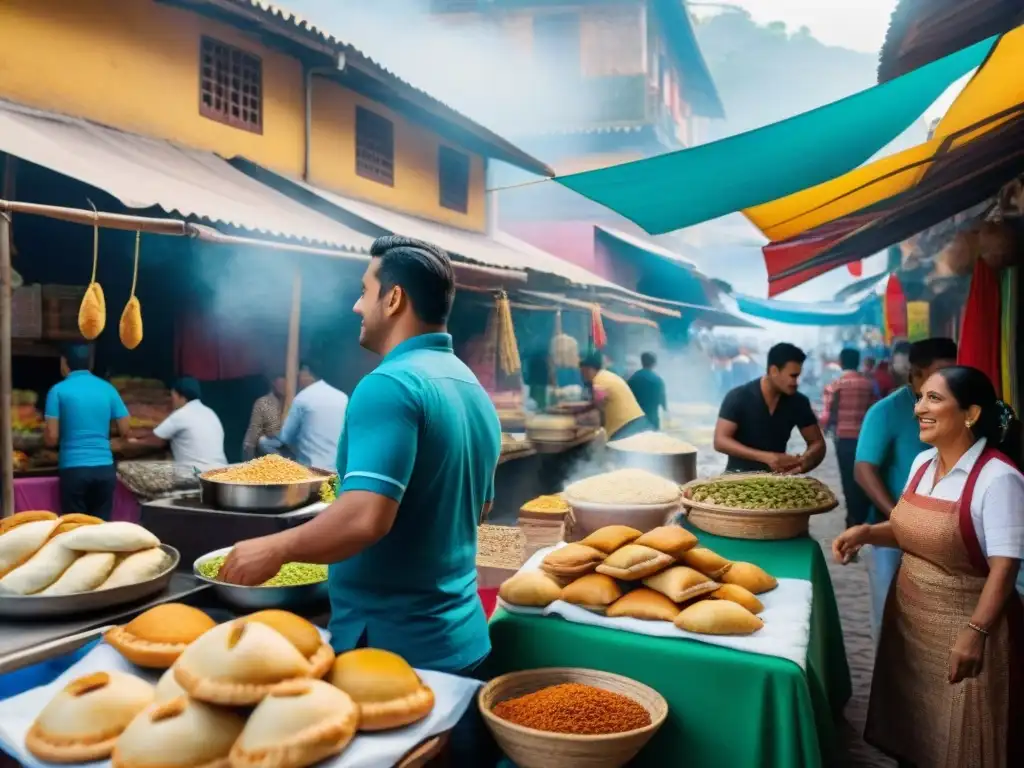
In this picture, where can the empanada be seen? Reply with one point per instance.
(633, 562)
(302, 634)
(84, 575)
(572, 560)
(237, 663)
(532, 589)
(157, 637)
(680, 583)
(137, 567)
(80, 519)
(739, 595)
(610, 538)
(39, 571)
(300, 723)
(21, 518)
(750, 577)
(707, 562)
(387, 690)
(81, 723)
(167, 687)
(111, 537)
(180, 733)
(670, 539)
(718, 617)
(643, 603)
(595, 592)
(18, 544)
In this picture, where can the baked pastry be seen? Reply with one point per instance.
(670, 539)
(300, 723)
(718, 617)
(40, 570)
(387, 690)
(302, 634)
(157, 637)
(595, 592)
(680, 583)
(643, 603)
(531, 589)
(111, 537)
(180, 733)
(84, 575)
(237, 663)
(634, 562)
(572, 560)
(20, 518)
(81, 723)
(739, 595)
(137, 567)
(67, 523)
(167, 687)
(18, 544)
(750, 577)
(610, 538)
(707, 562)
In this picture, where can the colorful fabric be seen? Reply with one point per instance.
(855, 394)
(982, 320)
(1008, 348)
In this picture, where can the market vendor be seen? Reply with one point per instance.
(417, 458)
(757, 419)
(622, 414)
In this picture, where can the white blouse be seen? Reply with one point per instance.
(997, 507)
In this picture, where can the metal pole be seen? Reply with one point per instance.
(292, 354)
(6, 422)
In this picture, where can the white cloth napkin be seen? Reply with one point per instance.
(452, 697)
(786, 616)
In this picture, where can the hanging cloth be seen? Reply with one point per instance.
(981, 325)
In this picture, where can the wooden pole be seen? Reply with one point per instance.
(6, 422)
(292, 354)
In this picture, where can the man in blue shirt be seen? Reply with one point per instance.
(649, 389)
(889, 442)
(79, 412)
(417, 458)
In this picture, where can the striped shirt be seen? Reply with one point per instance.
(845, 401)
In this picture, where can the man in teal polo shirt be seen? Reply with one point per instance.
(417, 456)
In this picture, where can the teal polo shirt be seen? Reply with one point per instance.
(84, 405)
(420, 430)
(890, 438)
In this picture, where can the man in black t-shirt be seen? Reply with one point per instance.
(756, 419)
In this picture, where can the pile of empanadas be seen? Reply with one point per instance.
(661, 575)
(43, 554)
(262, 691)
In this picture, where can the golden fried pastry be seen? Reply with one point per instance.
(39, 571)
(739, 595)
(718, 617)
(157, 637)
(180, 733)
(18, 544)
(610, 538)
(387, 690)
(680, 583)
(237, 663)
(530, 589)
(643, 603)
(167, 687)
(20, 518)
(707, 562)
(82, 722)
(84, 575)
(572, 560)
(302, 634)
(111, 537)
(92, 312)
(634, 562)
(670, 539)
(595, 592)
(138, 567)
(79, 519)
(750, 577)
(300, 723)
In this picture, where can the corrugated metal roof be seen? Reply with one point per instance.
(145, 173)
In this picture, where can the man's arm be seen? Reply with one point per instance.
(872, 449)
(815, 452)
(51, 412)
(827, 401)
(292, 427)
(726, 442)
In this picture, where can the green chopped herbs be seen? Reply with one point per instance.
(764, 493)
(290, 575)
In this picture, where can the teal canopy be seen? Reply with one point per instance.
(867, 312)
(679, 189)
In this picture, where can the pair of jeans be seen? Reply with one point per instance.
(88, 490)
(882, 562)
(857, 504)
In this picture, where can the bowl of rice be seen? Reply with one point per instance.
(294, 586)
(634, 497)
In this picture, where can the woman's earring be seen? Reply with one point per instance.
(969, 424)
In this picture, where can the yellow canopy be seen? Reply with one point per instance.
(994, 95)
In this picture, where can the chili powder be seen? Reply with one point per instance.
(575, 708)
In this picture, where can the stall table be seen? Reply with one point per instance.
(726, 707)
(44, 493)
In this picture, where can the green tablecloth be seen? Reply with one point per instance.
(726, 707)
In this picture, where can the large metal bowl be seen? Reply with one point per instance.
(40, 606)
(678, 467)
(260, 598)
(268, 499)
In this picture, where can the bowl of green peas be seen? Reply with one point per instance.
(294, 586)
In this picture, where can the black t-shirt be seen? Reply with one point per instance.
(757, 428)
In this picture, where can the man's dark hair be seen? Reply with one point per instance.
(593, 360)
(901, 347)
(925, 352)
(188, 388)
(77, 356)
(422, 270)
(648, 360)
(849, 359)
(783, 353)
(313, 366)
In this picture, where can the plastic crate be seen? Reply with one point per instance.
(27, 312)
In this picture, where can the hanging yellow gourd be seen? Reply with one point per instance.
(508, 348)
(92, 312)
(131, 319)
(564, 351)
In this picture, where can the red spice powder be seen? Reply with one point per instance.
(575, 708)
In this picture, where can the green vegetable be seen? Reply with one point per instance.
(290, 575)
(763, 493)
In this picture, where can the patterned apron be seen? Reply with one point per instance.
(915, 715)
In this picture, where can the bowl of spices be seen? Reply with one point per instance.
(294, 586)
(562, 717)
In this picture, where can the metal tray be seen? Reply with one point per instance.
(260, 598)
(239, 497)
(38, 606)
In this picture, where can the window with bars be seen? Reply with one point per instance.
(453, 177)
(375, 147)
(230, 85)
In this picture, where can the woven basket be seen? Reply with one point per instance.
(529, 748)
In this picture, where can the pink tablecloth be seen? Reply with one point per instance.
(44, 493)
